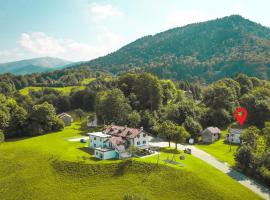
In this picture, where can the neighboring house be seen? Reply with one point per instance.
(234, 135)
(92, 122)
(210, 134)
(115, 140)
(66, 118)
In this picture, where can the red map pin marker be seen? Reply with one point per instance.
(241, 115)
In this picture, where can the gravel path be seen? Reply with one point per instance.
(259, 189)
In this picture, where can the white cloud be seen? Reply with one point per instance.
(184, 17)
(40, 44)
(100, 12)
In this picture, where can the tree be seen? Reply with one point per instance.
(134, 119)
(42, 119)
(179, 134)
(244, 157)
(18, 117)
(266, 132)
(257, 102)
(112, 106)
(80, 113)
(63, 104)
(148, 91)
(2, 136)
(193, 127)
(148, 120)
(166, 130)
(219, 96)
(169, 91)
(245, 83)
(250, 135)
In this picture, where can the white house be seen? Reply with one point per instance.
(67, 119)
(234, 135)
(115, 140)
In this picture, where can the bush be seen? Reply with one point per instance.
(2, 137)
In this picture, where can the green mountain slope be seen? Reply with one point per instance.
(29, 66)
(208, 50)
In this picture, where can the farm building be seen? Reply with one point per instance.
(210, 134)
(66, 118)
(234, 135)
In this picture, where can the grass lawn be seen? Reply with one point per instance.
(220, 149)
(50, 167)
(87, 81)
(65, 90)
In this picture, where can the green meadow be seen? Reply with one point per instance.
(220, 149)
(65, 90)
(51, 167)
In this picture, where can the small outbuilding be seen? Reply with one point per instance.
(234, 135)
(210, 134)
(67, 119)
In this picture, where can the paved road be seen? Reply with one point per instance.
(223, 167)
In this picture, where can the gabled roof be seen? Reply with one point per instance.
(64, 115)
(122, 131)
(117, 140)
(212, 130)
(235, 131)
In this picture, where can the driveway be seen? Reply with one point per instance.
(259, 189)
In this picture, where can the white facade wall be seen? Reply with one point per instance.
(105, 155)
(234, 138)
(141, 140)
(96, 142)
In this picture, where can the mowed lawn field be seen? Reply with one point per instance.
(220, 149)
(51, 167)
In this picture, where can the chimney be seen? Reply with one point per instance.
(125, 126)
(141, 128)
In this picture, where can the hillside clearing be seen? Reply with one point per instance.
(50, 167)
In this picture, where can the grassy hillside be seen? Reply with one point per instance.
(65, 90)
(51, 167)
(220, 149)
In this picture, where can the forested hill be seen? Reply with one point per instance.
(43, 64)
(208, 50)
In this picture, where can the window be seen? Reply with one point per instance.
(96, 153)
(138, 143)
(138, 136)
(95, 145)
(144, 142)
(95, 138)
(144, 135)
(101, 156)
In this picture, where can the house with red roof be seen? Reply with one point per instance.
(114, 141)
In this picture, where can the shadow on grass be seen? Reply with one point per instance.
(87, 150)
(16, 139)
(122, 167)
(166, 150)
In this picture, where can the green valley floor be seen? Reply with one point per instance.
(51, 167)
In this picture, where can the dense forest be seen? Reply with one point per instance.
(204, 51)
(175, 110)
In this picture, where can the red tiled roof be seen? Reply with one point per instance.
(122, 131)
(117, 140)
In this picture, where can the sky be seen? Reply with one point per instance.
(80, 30)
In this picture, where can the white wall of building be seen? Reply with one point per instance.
(142, 140)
